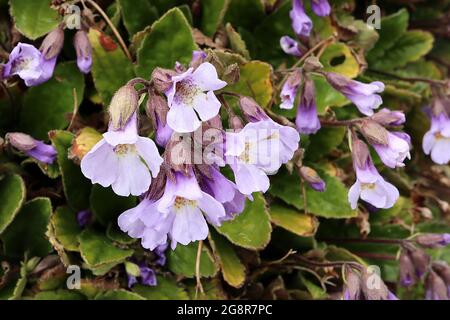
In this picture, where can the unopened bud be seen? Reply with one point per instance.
(420, 260)
(360, 153)
(251, 110)
(435, 287)
(235, 123)
(123, 105)
(162, 79)
(386, 117)
(231, 74)
(433, 240)
(373, 286)
(443, 270)
(352, 288)
(157, 110)
(407, 270)
(312, 64)
(374, 132)
(52, 44)
(215, 61)
(21, 141)
(83, 50)
(312, 177)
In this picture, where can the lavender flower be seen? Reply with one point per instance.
(437, 140)
(83, 49)
(301, 23)
(187, 98)
(307, 121)
(363, 95)
(260, 148)
(123, 159)
(386, 117)
(157, 109)
(407, 270)
(435, 287)
(290, 46)
(31, 147)
(443, 270)
(160, 252)
(179, 213)
(321, 7)
(314, 180)
(395, 151)
(84, 217)
(369, 185)
(146, 275)
(433, 240)
(289, 90)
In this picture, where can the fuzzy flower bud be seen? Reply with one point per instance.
(162, 79)
(33, 148)
(52, 44)
(122, 106)
(157, 110)
(386, 117)
(251, 110)
(407, 270)
(435, 288)
(374, 132)
(231, 74)
(433, 240)
(311, 176)
(83, 49)
(421, 261)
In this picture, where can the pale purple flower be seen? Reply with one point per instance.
(124, 160)
(160, 252)
(437, 140)
(29, 64)
(83, 50)
(435, 287)
(84, 217)
(180, 214)
(321, 7)
(31, 147)
(188, 101)
(387, 117)
(395, 151)
(224, 191)
(290, 89)
(259, 149)
(147, 276)
(307, 120)
(363, 95)
(290, 46)
(312, 177)
(301, 23)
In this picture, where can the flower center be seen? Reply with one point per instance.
(21, 63)
(438, 135)
(368, 186)
(182, 202)
(186, 91)
(245, 155)
(123, 149)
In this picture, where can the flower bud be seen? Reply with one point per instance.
(312, 64)
(84, 217)
(435, 287)
(231, 74)
(311, 176)
(374, 132)
(251, 110)
(83, 49)
(162, 79)
(157, 110)
(420, 260)
(433, 240)
(407, 270)
(373, 286)
(352, 290)
(32, 147)
(123, 105)
(386, 117)
(52, 44)
(360, 153)
(21, 141)
(235, 123)
(443, 270)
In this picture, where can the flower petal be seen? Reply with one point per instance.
(101, 164)
(206, 105)
(212, 209)
(149, 152)
(205, 76)
(182, 118)
(133, 176)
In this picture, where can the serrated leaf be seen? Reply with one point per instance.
(237, 44)
(166, 289)
(111, 69)
(324, 142)
(66, 228)
(60, 294)
(182, 261)
(233, 270)
(292, 220)
(76, 187)
(47, 106)
(213, 12)
(107, 206)
(169, 40)
(27, 232)
(34, 18)
(332, 203)
(338, 58)
(97, 250)
(255, 81)
(137, 15)
(12, 196)
(251, 229)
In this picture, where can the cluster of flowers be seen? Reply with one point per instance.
(416, 264)
(36, 66)
(175, 203)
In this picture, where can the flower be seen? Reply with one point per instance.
(363, 95)
(307, 121)
(31, 147)
(407, 270)
(289, 90)
(437, 140)
(395, 151)
(321, 7)
(146, 275)
(433, 240)
(370, 185)
(290, 46)
(312, 177)
(179, 213)
(188, 101)
(387, 117)
(260, 148)
(84, 217)
(157, 109)
(435, 287)
(83, 49)
(301, 23)
(123, 159)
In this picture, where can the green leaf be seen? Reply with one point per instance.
(182, 261)
(12, 196)
(60, 294)
(292, 220)
(213, 12)
(411, 46)
(66, 228)
(251, 229)
(237, 44)
(338, 58)
(107, 206)
(46, 107)
(76, 186)
(169, 40)
(323, 142)
(245, 13)
(326, 96)
(391, 29)
(332, 203)
(233, 270)
(97, 250)
(115, 234)
(255, 81)
(34, 18)
(27, 232)
(137, 15)
(111, 69)
(119, 294)
(166, 289)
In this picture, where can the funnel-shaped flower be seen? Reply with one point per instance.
(437, 140)
(301, 23)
